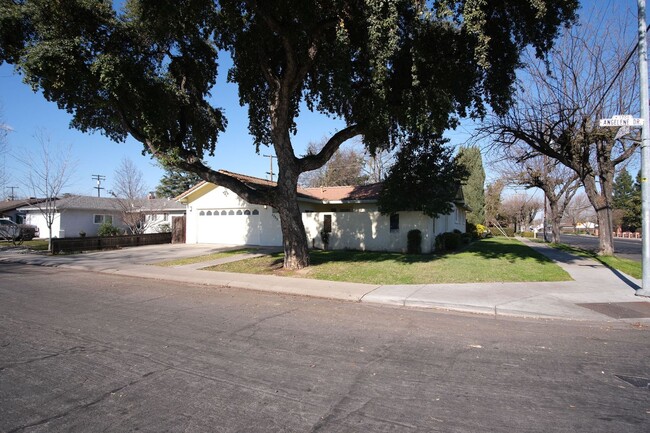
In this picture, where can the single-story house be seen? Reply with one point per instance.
(76, 214)
(9, 208)
(349, 213)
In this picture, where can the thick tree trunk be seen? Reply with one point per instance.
(555, 218)
(285, 200)
(294, 238)
(602, 206)
(605, 231)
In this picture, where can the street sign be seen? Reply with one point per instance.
(621, 120)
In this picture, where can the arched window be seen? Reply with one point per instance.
(232, 212)
(223, 212)
(256, 212)
(209, 213)
(201, 213)
(247, 212)
(216, 213)
(239, 212)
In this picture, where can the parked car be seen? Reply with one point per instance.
(29, 231)
(9, 230)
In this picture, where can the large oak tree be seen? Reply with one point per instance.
(387, 68)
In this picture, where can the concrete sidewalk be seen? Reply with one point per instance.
(596, 294)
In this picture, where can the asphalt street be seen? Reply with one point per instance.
(626, 248)
(85, 352)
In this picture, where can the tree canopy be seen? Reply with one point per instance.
(388, 69)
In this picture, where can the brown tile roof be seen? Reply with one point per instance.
(344, 193)
(330, 193)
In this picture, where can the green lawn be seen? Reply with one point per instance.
(488, 260)
(34, 244)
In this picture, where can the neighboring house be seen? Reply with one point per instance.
(76, 214)
(9, 208)
(217, 215)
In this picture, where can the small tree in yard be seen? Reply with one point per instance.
(130, 193)
(49, 172)
(388, 69)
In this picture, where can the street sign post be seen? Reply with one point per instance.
(625, 121)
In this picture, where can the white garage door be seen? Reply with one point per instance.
(238, 227)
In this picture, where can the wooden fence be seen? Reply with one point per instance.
(108, 242)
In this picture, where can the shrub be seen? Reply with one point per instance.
(449, 241)
(164, 228)
(467, 238)
(527, 234)
(414, 242)
(472, 230)
(440, 243)
(108, 229)
(482, 231)
(452, 240)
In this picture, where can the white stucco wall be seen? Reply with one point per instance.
(368, 230)
(37, 219)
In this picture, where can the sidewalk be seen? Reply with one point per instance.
(596, 294)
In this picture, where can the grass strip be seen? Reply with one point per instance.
(487, 260)
(627, 266)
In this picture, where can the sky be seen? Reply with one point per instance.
(28, 114)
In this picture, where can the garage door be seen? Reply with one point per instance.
(237, 226)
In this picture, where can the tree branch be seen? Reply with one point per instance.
(314, 161)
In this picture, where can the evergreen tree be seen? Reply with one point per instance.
(623, 190)
(176, 182)
(474, 187)
(627, 200)
(425, 178)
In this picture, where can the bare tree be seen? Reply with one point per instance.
(579, 211)
(344, 168)
(585, 78)
(377, 166)
(520, 211)
(130, 192)
(129, 182)
(49, 172)
(533, 170)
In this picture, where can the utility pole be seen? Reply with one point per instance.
(270, 173)
(645, 151)
(12, 197)
(98, 178)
